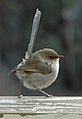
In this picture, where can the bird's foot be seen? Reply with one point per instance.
(47, 95)
(20, 95)
(20, 89)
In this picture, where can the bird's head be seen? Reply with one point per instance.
(50, 55)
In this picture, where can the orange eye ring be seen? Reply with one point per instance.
(55, 57)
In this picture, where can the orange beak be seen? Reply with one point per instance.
(60, 56)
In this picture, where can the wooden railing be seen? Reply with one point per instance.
(39, 107)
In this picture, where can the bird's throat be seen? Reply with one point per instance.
(55, 66)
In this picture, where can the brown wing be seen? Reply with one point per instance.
(36, 67)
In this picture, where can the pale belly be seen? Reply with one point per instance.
(38, 80)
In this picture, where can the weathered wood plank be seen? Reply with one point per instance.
(40, 105)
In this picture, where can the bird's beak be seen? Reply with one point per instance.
(60, 56)
(55, 57)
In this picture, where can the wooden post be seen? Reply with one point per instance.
(39, 107)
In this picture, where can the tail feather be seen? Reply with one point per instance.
(13, 70)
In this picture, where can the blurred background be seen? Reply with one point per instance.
(60, 28)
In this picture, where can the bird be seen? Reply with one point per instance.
(40, 70)
(37, 70)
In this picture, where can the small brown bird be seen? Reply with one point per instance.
(40, 69)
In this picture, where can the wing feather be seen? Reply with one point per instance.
(36, 67)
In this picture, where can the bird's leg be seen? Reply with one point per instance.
(45, 93)
(20, 89)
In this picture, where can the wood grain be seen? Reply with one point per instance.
(40, 105)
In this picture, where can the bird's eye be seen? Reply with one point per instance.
(53, 57)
